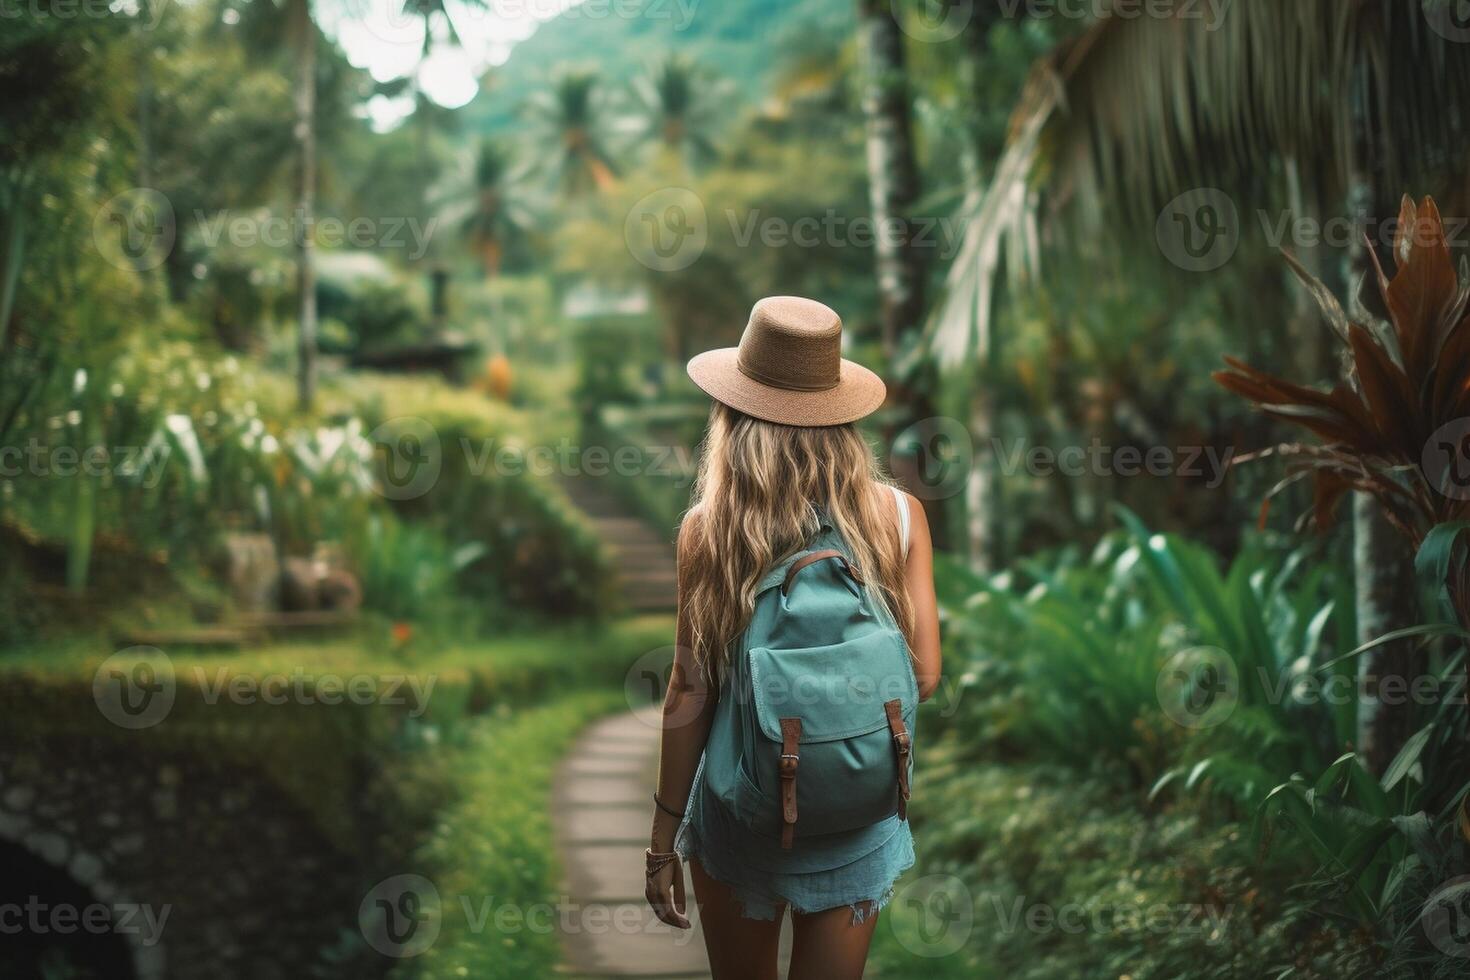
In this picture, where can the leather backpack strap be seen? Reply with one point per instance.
(790, 758)
(811, 558)
(902, 745)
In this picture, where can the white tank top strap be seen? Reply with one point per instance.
(903, 519)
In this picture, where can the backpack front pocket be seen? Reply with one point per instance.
(834, 725)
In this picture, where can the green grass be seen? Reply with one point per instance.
(492, 858)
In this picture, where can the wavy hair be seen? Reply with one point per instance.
(755, 502)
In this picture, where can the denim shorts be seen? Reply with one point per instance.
(720, 843)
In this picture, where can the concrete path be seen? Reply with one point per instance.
(601, 811)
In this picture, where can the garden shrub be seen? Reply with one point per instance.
(522, 547)
(1065, 877)
(200, 444)
(1064, 652)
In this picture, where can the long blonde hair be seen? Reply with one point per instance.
(755, 502)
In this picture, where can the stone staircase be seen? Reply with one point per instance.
(642, 556)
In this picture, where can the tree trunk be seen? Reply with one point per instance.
(1383, 567)
(893, 174)
(1384, 577)
(982, 486)
(1307, 331)
(303, 38)
(893, 189)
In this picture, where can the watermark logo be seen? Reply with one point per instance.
(407, 457)
(936, 454)
(1450, 19)
(397, 23)
(400, 916)
(933, 21)
(1446, 917)
(936, 914)
(1198, 687)
(135, 229)
(656, 676)
(1446, 459)
(1199, 230)
(667, 230)
(135, 688)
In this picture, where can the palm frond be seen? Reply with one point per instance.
(1138, 110)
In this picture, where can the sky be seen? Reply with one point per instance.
(380, 37)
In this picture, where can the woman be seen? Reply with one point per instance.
(782, 464)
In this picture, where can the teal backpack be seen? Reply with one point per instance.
(814, 731)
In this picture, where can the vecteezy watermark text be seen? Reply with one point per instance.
(407, 234)
(937, 21)
(138, 229)
(137, 688)
(1076, 918)
(36, 917)
(402, 916)
(1201, 230)
(37, 459)
(566, 458)
(1208, 463)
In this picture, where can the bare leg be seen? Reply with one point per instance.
(739, 948)
(827, 946)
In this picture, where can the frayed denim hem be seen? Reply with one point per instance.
(765, 908)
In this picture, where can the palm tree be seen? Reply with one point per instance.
(571, 115)
(677, 109)
(495, 219)
(1136, 111)
(302, 35)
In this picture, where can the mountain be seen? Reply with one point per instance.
(739, 40)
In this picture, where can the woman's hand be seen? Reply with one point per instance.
(665, 894)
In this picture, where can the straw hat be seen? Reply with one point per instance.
(789, 368)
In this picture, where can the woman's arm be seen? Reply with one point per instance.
(919, 576)
(688, 710)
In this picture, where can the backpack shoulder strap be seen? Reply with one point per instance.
(816, 556)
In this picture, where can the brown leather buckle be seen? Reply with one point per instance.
(786, 766)
(901, 744)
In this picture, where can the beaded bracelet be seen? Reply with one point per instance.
(657, 861)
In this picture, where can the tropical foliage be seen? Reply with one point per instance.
(1393, 430)
(1158, 694)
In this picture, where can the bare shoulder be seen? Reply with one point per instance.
(915, 509)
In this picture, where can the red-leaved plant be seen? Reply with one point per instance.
(1398, 427)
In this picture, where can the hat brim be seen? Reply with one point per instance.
(858, 392)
